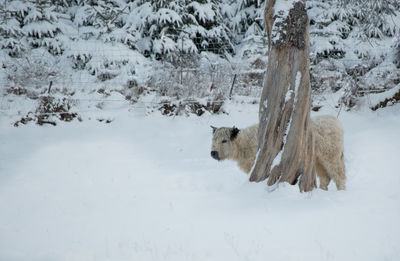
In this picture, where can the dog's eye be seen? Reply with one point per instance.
(224, 141)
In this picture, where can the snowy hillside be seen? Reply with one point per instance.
(146, 188)
(178, 49)
(105, 114)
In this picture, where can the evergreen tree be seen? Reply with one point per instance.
(206, 28)
(41, 26)
(248, 25)
(374, 17)
(329, 28)
(336, 23)
(165, 28)
(349, 44)
(11, 34)
(247, 13)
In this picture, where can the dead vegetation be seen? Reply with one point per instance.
(49, 110)
(169, 108)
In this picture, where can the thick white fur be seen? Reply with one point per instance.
(242, 148)
(329, 161)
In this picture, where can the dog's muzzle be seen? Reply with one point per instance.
(215, 155)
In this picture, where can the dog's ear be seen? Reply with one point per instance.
(234, 132)
(214, 129)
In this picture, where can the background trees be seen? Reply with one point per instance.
(352, 45)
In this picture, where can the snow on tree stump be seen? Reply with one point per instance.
(286, 143)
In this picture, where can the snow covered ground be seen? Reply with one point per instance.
(145, 188)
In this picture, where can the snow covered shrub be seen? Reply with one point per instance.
(49, 110)
(193, 80)
(199, 87)
(349, 95)
(32, 73)
(187, 107)
(56, 107)
(387, 98)
(249, 77)
(173, 82)
(110, 62)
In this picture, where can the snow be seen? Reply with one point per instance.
(288, 95)
(296, 86)
(265, 104)
(204, 12)
(378, 98)
(40, 28)
(278, 157)
(128, 191)
(165, 15)
(283, 7)
(145, 188)
(255, 160)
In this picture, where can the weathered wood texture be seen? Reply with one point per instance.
(286, 143)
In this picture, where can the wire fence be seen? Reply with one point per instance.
(177, 73)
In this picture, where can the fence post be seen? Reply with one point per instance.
(182, 60)
(51, 83)
(233, 84)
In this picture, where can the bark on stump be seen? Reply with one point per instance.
(286, 143)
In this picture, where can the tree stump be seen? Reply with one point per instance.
(286, 143)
